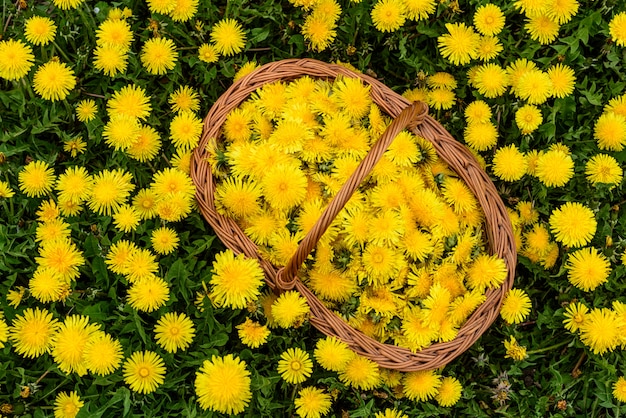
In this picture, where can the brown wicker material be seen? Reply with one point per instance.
(497, 224)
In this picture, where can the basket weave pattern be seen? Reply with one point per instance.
(414, 116)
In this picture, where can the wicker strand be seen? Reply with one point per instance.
(497, 224)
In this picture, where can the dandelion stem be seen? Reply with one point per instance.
(63, 54)
(552, 347)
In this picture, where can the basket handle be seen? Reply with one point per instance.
(411, 116)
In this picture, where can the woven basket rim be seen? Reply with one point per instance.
(497, 223)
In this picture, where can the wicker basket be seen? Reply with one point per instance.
(497, 224)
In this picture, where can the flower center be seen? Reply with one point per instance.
(144, 372)
(174, 330)
(295, 365)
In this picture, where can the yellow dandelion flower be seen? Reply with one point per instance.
(487, 271)
(563, 80)
(39, 30)
(515, 307)
(421, 385)
(542, 28)
(449, 392)
(509, 163)
(158, 55)
(488, 48)
(619, 389)
(74, 184)
(459, 45)
(54, 80)
(109, 190)
(331, 284)
(110, 59)
(208, 53)
(146, 145)
(161, 6)
(184, 10)
(102, 354)
(319, 31)
(360, 373)
(174, 332)
(45, 286)
(62, 257)
(126, 218)
(236, 280)
(184, 99)
(148, 294)
(74, 146)
(617, 28)
(554, 168)
(5, 190)
(601, 331)
(67, 405)
(245, 69)
(121, 131)
(131, 101)
(312, 402)
(295, 365)
(514, 350)
(144, 371)
(36, 179)
(489, 19)
(441, 98)
(332, 353)
(481, 136)
(587, 269)
(603, 168)
(419, 9)
(68, 343)
(477, 112)
(575, 316)
(185, 130)
(610, 131)
(228, 37)
(31, 332)
(118, 256)
(534, 86)
(164, 240)
(289, 309)
(352, 96)
(252, 333)
(86, 110)
(223, 385)
(388, 15)
(16, 59)
(145, 203)
(573, 224)
(528, 118)
(114, 33)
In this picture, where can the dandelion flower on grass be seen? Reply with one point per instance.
(110, 59)
(161, 6)
(16, 59)
(312, 402)
(441, 98)
(39, 30)
(223, 385)
(144, 371)
(185, 130)
(67, 405)
(62, 257)
(228, 37)
(126, 218)
(459, 45)
(554, 167)
(102, 354)
(491, 80)
(183, 10)
(489, 19)
(252, 333)
(68, 344)
(610, 131)
(587, 269)
(4, 330)
(478, 112)
(208, 53)
(575, 316)
(488, 48)
(515, 307)
(601, 331)
(148, 294)
(54, 80)
(174, 332)
(295, 365)
(617, 28)
(5, 190)
(449, 392)
(164, 240)
(619, 389)
(421, 385)
(131, 101)
(110, 189)
(509, 163)
(563, 80)
(36, 179)
(603, 168)
(184, 99)
(319, 31)
(45, 286)
(573, 224)
(86, 110)
(534, 86)
(542, 28)
(360, 373)
(236, 280)
(31, 333)
(390, 413)
(388, 15)
(158, 55)
(514, 350)
(146, 145)
(289, 309)
(528, 118)
(481, 136)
